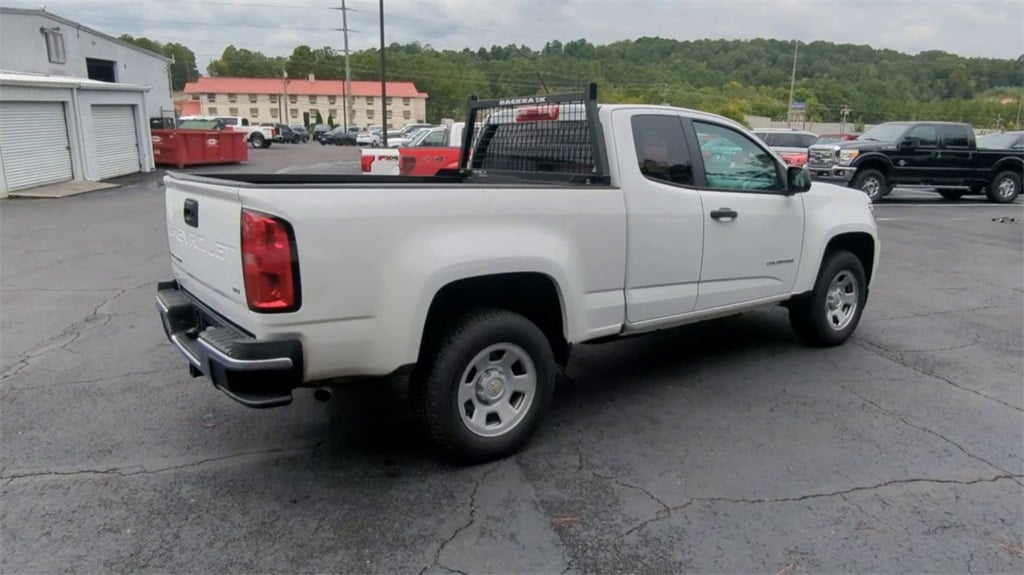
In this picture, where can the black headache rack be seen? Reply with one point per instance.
(554, 137)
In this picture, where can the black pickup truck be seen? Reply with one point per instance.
(938, 156)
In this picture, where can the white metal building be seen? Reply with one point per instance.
(57, 129)
(74, 103)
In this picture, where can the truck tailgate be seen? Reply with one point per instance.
(204, 237)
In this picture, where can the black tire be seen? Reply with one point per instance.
(951, 195)
(810, 316)
(257, 140)
(871, 182)
(435, 384)
(1004, 188)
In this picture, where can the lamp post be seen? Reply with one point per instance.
(383, 81)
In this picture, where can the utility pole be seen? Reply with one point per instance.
(284, 98)
(845, 112)
(792, 86)
(383, 80)
(348, 70)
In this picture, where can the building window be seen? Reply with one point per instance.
(390, 112)
(406, 114)
(333, 112)
(273, 98)
(389, 100)
(252, 98)
(55, 45)
(369, 101)
(273, 112)
(293, 99)
(232, 111)
(195, 97)
(211, 97)
(332, 99)
(369, 114)
(294, 113)
(212, 111)
(406, 101)
(232, 98)
(254, 112)
(312, 99)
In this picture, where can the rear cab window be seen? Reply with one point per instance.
(661, 150)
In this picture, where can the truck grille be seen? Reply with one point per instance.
(821, 158)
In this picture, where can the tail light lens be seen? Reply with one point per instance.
(406, 164)
(270, 266)
(366, 162)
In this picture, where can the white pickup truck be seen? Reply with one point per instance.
(257, 136)
(568, 222)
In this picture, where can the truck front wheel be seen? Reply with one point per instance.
(871, 182)
(830, 313)
(1004, 188)
(483, 388)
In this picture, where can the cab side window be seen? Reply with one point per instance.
(733, 162)
(925, 136)
(661, 150)
(955, 137)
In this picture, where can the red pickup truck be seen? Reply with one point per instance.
(435, 150)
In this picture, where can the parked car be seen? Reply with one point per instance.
(301, 133)
(932, 156)
(1002, 141)
(368, 139)
(319, 130)
(338, 137)
(476, 284)
(283, 133)
(829, 138)
(792, 145)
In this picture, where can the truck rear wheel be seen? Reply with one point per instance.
(829, 315)
(871, 182)
(483, 389)
(1004, 188)
(257, 140)
(951, 195)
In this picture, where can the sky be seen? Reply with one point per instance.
(987, 28)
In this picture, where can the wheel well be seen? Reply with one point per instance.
(533, 295)
(859, 244)
(875, 164)
(1007, 165)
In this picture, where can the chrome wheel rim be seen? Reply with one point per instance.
(871, 186)
(841, 301)
(496, 390)
(1006, 188)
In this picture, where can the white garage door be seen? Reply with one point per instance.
(34, 144)
(116, 143)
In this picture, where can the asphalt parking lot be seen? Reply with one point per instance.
(719, 448)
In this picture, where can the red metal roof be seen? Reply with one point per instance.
(216, 85)
(190, 109)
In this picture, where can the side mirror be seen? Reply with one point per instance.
(798, 179)
(908, 143)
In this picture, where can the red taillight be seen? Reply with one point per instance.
(406, 164)
(366, 162)
(268, 264)
(538, 114)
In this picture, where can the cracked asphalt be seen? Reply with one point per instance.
(719, 448)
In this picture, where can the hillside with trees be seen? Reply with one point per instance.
(731, 77)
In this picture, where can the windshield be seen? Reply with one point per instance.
(884, 132)
(1001, 141)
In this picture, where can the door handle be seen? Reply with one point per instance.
(191, 213)
(724, 213)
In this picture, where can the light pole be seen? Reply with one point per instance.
(383, 81)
